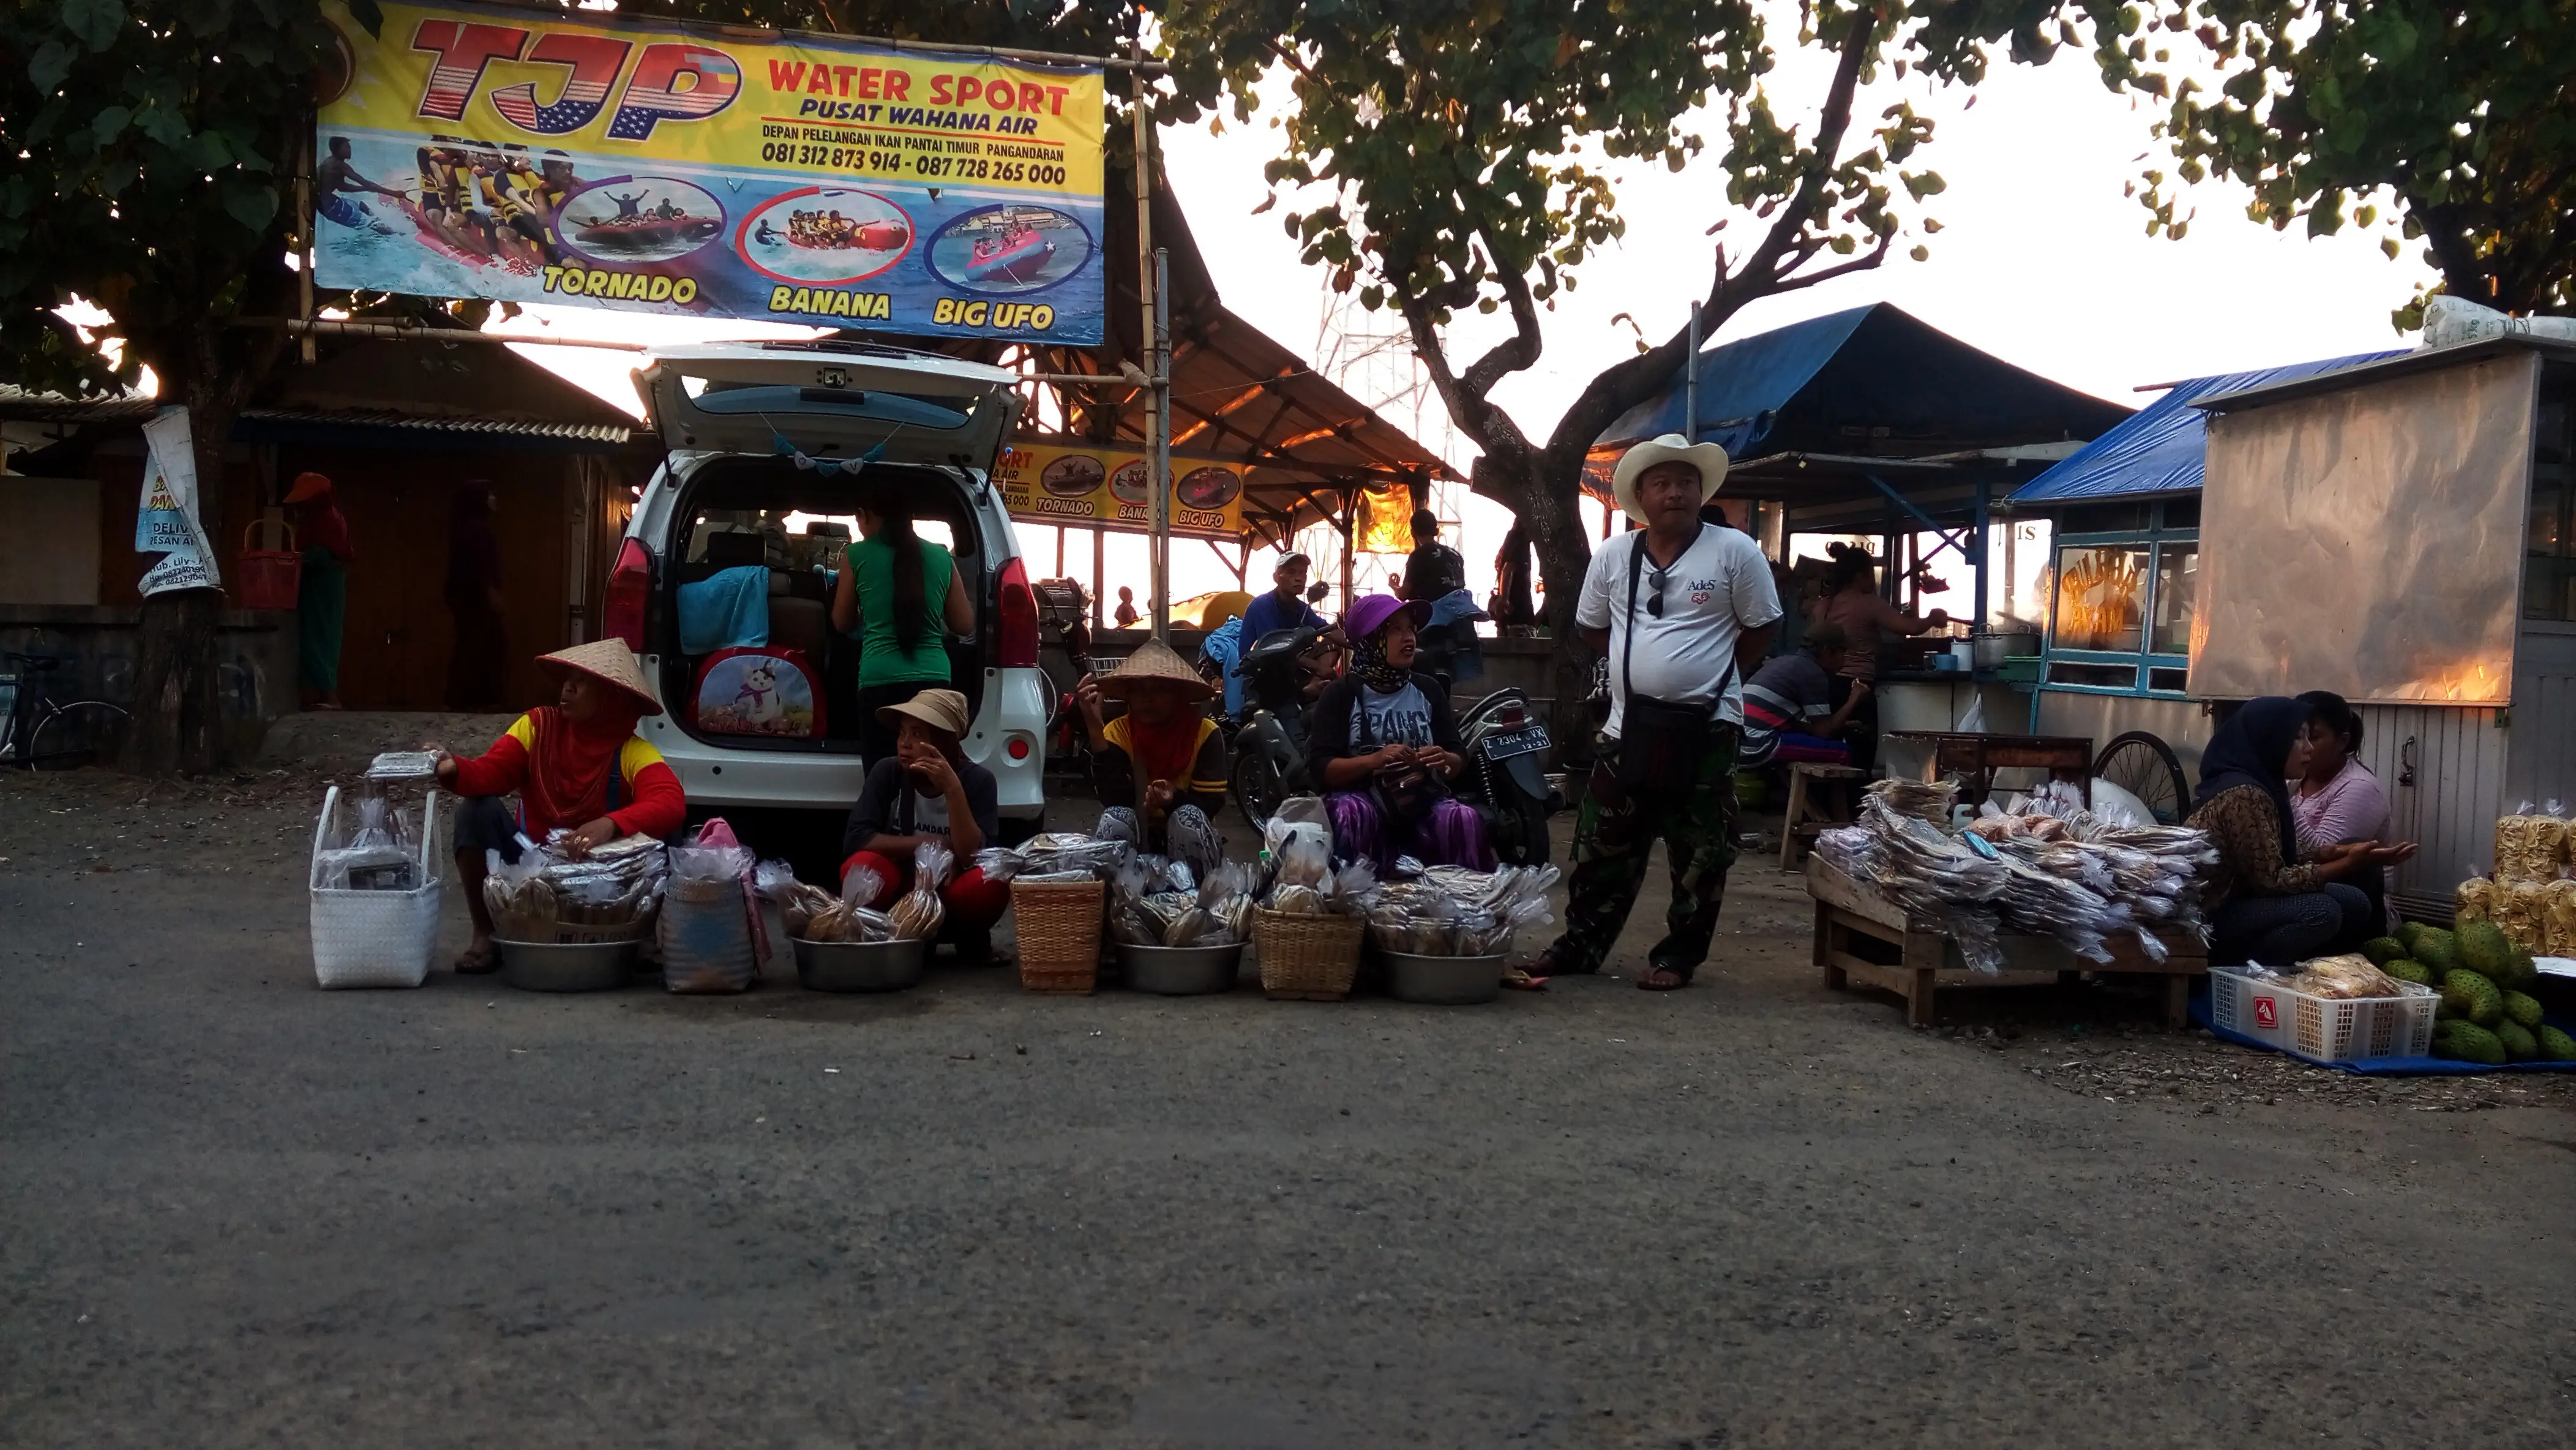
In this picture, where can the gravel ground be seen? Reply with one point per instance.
(242, 1211)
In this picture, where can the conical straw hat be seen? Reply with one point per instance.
(1153, 660)
(610, 662)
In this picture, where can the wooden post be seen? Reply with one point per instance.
(304, 270)
(1099, 577)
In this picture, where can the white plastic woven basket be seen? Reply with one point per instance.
(377, 938)
(2324, 1029)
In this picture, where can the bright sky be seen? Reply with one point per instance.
(2042, 262)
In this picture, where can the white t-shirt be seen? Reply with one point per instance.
(1719, 588)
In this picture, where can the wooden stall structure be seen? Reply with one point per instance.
(401, 427)
(1863, 937)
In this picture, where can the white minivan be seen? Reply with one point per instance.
(767, 444)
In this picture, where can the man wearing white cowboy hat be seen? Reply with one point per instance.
(1681, 608)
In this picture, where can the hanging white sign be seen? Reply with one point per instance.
(167, 524)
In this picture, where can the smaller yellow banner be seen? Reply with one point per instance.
(1090, 486)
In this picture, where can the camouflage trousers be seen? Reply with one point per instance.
(1612, 837)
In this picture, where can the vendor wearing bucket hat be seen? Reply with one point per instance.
(1164, 759)
(1384, 744)
(928, 790)
(577, 764)
(1681, 607)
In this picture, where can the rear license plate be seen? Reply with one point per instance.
(1519, 742)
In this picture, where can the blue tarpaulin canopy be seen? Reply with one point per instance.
(1868, 380)
(2160, 450)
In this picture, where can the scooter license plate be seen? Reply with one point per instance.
(1519, 742)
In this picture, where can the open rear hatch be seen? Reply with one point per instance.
(829, 399)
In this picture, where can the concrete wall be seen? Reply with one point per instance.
(255, 660)
(49, 540)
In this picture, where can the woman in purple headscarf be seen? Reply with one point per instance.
(1384, 744)
(481, 653)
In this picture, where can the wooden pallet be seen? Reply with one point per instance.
(1927, 959)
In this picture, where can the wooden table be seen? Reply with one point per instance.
(1976, 757)
(1863, 936)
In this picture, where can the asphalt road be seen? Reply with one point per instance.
(235, 1210)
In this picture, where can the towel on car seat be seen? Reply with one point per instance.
(726, 610)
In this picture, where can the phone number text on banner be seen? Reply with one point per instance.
(1087, 486)
(471, 151)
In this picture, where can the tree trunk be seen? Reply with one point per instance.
(177, 725)
(1545, 508)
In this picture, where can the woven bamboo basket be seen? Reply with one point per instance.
(1058, 925)
(1305, 957)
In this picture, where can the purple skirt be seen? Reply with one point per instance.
(1449, 834)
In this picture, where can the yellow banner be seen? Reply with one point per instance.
(534, 156)
(1094, 487)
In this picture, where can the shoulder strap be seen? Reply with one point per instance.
(1628, 645)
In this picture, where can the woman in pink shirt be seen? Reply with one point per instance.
(2339, 800)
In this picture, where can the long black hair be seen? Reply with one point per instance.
(1851, 562)
(894, 530)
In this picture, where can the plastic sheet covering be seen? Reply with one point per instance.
(2368, 540)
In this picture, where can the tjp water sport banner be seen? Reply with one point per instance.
(1051, 481)
(474, 151)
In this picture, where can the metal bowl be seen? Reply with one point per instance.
(1442, 981)
(1181, 971)
(589, 966)
(861, 966)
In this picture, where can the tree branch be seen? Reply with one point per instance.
(1625, 384)
(1519, 350)
(1491, 428)
(1793, 283)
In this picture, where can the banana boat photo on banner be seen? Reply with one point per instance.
(1089, 486)
(477, 151)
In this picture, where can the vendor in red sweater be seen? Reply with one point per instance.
(577, 763)
(929, 790)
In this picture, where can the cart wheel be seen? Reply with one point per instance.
(2146, 767)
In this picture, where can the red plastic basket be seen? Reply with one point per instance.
(268, 578)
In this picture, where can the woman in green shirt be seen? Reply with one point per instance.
(885, 597)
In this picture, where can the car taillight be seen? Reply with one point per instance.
(1019, 747)
(1015, 637)
(630, 584)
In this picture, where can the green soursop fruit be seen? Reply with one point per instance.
(2472, 996)
(2467, 1042)
(2523, 1009)
(2406, 970)
(2437, 949)
(2555, 1046)
(2407, 932)
(2522, 974)
(2382, 950)
(2484, 950)
(2519, 1045)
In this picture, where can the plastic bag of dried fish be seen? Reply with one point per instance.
(918, 913)
(1225, 895)
(849, 917)
(1925, 800)
(1051, 853)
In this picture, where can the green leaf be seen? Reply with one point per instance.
(94, 22)
(110, 124)
(252, 205)
(47, 67)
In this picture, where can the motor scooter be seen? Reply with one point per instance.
(1270, 744)
(1505, 747)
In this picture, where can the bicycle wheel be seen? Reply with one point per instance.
(84, 732)
(2146, 767)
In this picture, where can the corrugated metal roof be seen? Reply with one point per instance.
(2373, 367)
(2162, 449)
(53, 408)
